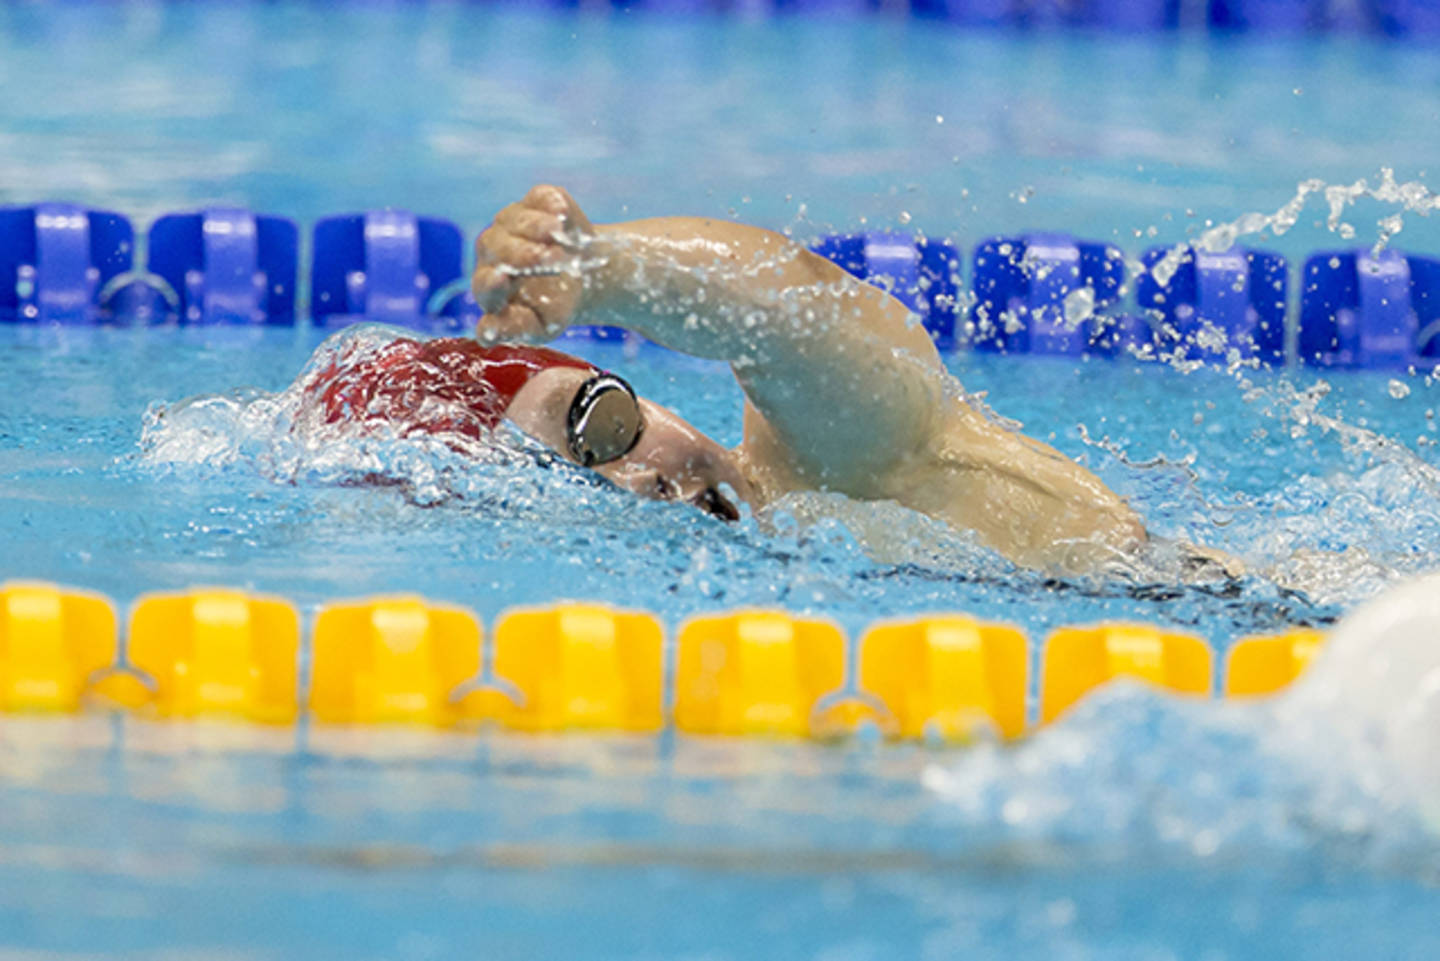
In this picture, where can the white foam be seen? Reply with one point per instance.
(1371, 702)
(1345, 766)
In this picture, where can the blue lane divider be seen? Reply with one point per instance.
(974, 13)
(1407, 18)
(1043, 293)
(1123, 335)
(1216, 303)
(1360, 310)
(383, 265)
(1121, 15)
(55, 258)
(1268, 16)
(1395, 17)
(227, 265)
(1132, 15)
(218, 265)
(924, 275)
(838, 8)
(1425, 296)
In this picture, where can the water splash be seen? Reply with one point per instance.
(1338, 532)
(287, 438)
(1411, 197)
(1341, 769)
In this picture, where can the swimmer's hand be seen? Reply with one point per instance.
(530, 267)
(1201, 562)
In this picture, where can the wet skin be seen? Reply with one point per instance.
(844, 389)
(671, 460)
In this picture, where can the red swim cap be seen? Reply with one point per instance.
(433, 386)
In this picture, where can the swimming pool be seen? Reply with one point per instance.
(1141, 828)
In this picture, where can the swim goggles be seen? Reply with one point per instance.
(604, 422)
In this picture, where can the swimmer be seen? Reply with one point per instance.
(460, 391)
(844, 389)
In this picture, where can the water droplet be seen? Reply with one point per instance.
(1079, 305)
(904, 217)
(1398, 389)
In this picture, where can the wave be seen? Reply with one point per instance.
(1342, 768)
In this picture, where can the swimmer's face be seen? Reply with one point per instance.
(670, 461)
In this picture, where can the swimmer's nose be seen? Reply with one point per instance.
(649, 483)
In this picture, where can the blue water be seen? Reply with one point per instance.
(454, 109)
(214, 497)
(1140, 829)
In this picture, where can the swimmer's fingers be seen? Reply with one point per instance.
(554, 297)
(527, 223)
(550, 199)
(513, 322)
(536, 309)
(499, 246)
(553, 301)
(492, 287)
(527, 274)
(502, 259)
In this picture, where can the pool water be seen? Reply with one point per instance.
(1139, 828)
(453, 109)
(111, 487)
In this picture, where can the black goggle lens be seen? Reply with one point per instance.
(604, 421)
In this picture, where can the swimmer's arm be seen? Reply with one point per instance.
(844, 375)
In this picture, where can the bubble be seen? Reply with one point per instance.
(1079, 305)
(1398, 389)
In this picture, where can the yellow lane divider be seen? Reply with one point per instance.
(1078, 659)
(580, 666)
(213, 652)
(51, 641)
(391, 659)
(947, 676)
(217, 652)
(1264, 665)
(755, 672)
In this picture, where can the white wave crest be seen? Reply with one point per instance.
(1346, 764)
